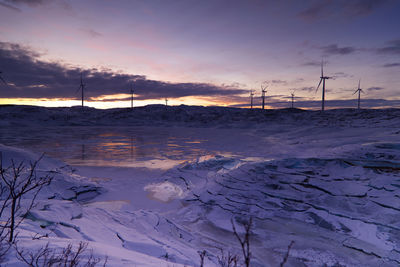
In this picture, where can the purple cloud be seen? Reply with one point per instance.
(343, 8)
(391, 65)
(334, 49)
(392, 47)
(375, 88)
(30, 77)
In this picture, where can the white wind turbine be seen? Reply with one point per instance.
(251, 98)
(323, 78)
(82, 88)
(359, 90)
(131, 96)
(263, 92)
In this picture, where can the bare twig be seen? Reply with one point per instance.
(67, 257)
(227, 260)
(38, 236)
(245, 242)
(17, 181)
(202, 255)
(287, 254)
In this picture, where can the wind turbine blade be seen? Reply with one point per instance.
(320, 81)
(355, 92)
(322, 68)
(359, 82)
(1, 78)
(80, 86)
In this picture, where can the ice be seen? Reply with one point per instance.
(165, 191)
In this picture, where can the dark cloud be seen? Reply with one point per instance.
(334, 49)
(28, 2)
(13, 8)
(306, 89)
(362, 7)
(30, 77)
(321, 9)
(375, 88)
(392, 47)
(313, 63)
(294, 97)
(391, 65)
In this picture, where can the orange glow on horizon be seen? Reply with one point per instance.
(98, 103)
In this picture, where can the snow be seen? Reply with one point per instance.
(153, 186)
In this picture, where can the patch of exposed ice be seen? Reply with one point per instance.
(165, 191)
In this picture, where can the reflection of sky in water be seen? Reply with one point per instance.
(148, 147)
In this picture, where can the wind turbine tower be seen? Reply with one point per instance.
(323, 78)
(251, 98)
(292, 94)
(359, 90)
(166, 101)
(263, 92)
(131, 97)
(82, 88)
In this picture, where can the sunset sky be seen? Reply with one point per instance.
(203, 52)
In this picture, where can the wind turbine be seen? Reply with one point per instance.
(251, 98)
(292, 94)
(323, 78)
(263, 92)
(1, 78)
(359, 90)
(131, 97)
(82, 87)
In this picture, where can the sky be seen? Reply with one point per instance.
(199, 52)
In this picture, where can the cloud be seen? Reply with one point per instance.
(334, 49)
(341, 74)
(305, 89)
(278, 82)
(28, 2)
(363, 7)
(13, 8)
(316, 10)
(391, 65)
(316, 104)
(30, 77)
(392, 47)
(375, 88)
(91, 33)
(313, 63)
(322, 9)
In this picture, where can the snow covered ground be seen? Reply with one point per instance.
(154, 185)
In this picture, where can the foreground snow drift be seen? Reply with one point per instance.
(66, 213)
(339, 211)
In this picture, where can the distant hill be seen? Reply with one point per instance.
(192, 116)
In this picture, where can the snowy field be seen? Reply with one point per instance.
(155, 185)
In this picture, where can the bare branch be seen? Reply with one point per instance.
(67, 257)
(17, 181)
(245, 242)
(287, 254)
(202, 255)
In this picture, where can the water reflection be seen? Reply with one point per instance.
(108, 146)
